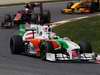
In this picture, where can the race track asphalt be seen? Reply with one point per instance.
(25, 65)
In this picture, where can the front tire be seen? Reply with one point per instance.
(85, 47)
(16, 44)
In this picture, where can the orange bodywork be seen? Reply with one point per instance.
(76, 5)
(36, 44)
(55, 44)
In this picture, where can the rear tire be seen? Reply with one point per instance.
(62, 11)
(17, 44)
(45, 18)
(7, 21)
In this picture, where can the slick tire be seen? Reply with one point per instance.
(46, 17)
(17, 44)
(85, 47)
(62, 11)
(7, 21)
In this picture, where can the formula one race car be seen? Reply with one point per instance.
(77, 7)
(7, 21)
(27, 15)
(42, 42)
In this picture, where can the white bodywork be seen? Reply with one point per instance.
(42, 32)
(72, 45)
(39, 32)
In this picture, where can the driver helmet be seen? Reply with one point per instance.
(26, 10)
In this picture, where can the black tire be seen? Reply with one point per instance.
(62, 11)
(2, 24)
(85, 47)
(46, 17)
(34, 18)
(7, 21)
(37, 18)
(17, 44)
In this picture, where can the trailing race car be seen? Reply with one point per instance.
(78, 7)
(42, 42)
(27, 15)
(7, 21)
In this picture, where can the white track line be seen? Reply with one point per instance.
(72, 19)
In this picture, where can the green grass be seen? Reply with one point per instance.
(88, 29)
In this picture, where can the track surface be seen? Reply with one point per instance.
(25, 65)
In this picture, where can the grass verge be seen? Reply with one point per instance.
(85, 29)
